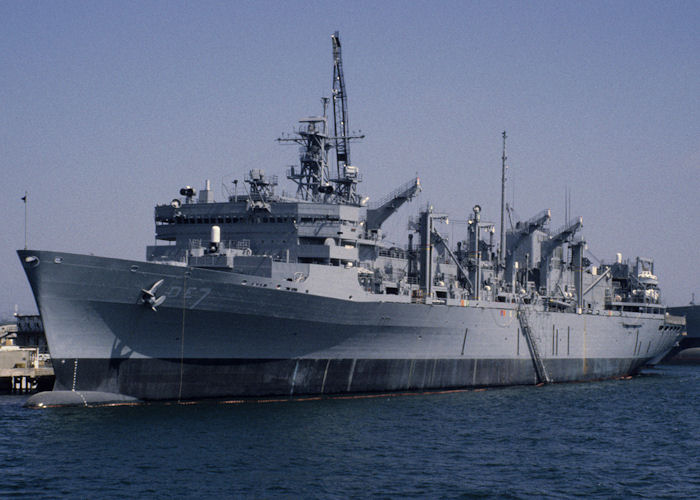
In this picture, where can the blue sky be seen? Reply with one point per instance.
(110, 107)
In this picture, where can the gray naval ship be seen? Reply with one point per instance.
(273, 294)
(688, 348)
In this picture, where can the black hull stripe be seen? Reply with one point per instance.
(164, 379)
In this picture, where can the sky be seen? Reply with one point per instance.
(109, 108)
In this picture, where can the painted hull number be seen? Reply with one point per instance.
(193, 295)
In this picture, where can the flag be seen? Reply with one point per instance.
(24, 198)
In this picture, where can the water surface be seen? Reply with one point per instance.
(622, 439)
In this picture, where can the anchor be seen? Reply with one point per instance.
(148, 297)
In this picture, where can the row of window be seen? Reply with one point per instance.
(228, 220)
(248, 219)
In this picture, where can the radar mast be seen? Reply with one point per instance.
(501, 246)
(312, 176)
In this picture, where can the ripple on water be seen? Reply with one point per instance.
(626, 438)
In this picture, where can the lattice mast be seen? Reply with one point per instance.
(311, 176)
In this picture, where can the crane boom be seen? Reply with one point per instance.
(377, 214)
(348, 176)
(340, 108)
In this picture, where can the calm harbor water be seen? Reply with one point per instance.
(633, 438)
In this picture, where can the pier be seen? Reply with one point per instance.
(25, 362)
(25, 380)
(24, 369)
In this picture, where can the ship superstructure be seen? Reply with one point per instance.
(273, 294)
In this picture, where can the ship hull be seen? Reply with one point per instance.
(162, 379)
(220, 334)
(688, 349)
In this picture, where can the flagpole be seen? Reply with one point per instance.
(24, 199)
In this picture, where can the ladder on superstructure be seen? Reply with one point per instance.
(540, 370)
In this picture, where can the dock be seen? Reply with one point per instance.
(25, 380)
(25, 362)
(24, 369)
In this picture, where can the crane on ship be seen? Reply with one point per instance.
(347, 174)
